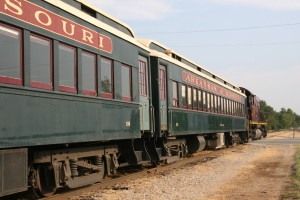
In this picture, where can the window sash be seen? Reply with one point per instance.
(143, 81)
(175, 94)
(107, 88)
(190, 97)
(73, 69)
(89, 88)
(17, 34)
(195, 99)
(46, 43)
(184, 96)
(162, 84)
(126, 95)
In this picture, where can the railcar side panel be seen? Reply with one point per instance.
(185, 122)
(45, 118)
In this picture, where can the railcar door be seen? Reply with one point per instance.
(144, 94)
(163, 96)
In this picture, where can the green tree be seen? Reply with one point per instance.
(285, 119)
(269, 115)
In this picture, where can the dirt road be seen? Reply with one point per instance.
(257, 171)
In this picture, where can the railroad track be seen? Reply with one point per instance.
(194, 159)
(133, 173)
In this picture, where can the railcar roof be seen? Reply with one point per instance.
(107, 15)
(167, 56)
(92, 20)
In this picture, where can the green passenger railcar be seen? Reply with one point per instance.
(68, 86)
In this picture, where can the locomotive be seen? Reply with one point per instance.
(81, 96)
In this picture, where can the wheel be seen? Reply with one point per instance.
(43, 180)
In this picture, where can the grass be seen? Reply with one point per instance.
(292, 191)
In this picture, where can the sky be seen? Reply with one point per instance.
(251, 43)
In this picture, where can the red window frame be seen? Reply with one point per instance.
(91, 92)
(143, 79)
(105, 94)
(195, 101)
(12, 80)
(46, 86)
(162, 84)
(175, 99)
(125, 98)
(69, 89)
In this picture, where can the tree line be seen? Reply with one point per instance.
(284, 119)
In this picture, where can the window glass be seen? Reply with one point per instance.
(40, 62)
(242, 110)
(175, 94)
(204, 100)
(190, 97)
(216, 103)
(106, 78)
(67, 68)
(219, 104)
(10, 56)
(183, 95)
(225, 106)
(228, 106)
(200, 99)
(126, 82)
(222, 104)
(162, 84)
(208, 101)
(195, 98)
(212, 103)
(143, 78)
(234, 108)
(89, 73)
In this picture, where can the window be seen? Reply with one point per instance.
(41, 62)
(208, 101)
(225, 106)
(89, 74)
(183, 95)
(243, 110)
(212, 102)
(222, 104)
(200, 100)
(88, 10)
(10, 55)
(126, 83)
(219, 104)
(228, 107)
(175, 94)
(204, 100)
(67, 68)
(162, 84)
(106, 78)
(143, 78)
(189, 97)
(195, 99)
(216, 103)
(234, 108)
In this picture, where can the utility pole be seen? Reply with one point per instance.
(294, 129)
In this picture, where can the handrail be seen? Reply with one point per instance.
(153, 117)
